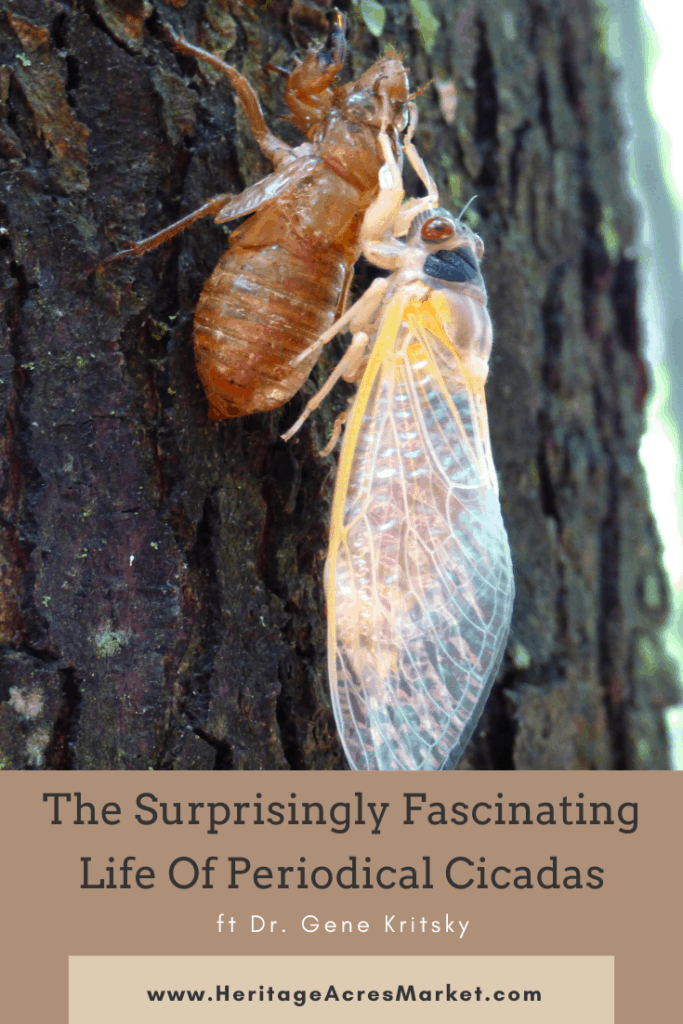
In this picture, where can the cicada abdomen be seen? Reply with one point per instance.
(259, 308)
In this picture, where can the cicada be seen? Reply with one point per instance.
(286, 274)
(418, 579)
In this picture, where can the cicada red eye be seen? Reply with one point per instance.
(437, 229)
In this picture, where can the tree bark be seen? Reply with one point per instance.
(161, 601)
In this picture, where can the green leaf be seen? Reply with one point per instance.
(426, 22)
(609, 235)
(373, 14)
(454, 187)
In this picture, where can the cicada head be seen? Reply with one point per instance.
(309, 93)
(452, 251)
(380, 92)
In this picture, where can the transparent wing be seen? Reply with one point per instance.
(264, 191)
(419, 577)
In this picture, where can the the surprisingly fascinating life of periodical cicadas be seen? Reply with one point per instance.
(418, 579)
(285, 277)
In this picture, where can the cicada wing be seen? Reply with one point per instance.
(419, 579)
(262, 192)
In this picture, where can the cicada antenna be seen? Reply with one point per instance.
(466, 207)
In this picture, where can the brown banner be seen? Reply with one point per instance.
(499, 866)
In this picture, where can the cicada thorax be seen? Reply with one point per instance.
(352, 152)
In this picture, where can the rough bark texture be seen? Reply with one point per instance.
(161, 601)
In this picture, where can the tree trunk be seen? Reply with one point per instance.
(161, 603)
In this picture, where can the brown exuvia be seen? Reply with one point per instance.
(285, 276)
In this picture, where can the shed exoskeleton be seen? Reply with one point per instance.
(285, 276)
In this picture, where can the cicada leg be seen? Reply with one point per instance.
(360, 310)
(351, 358)
(308, 93)
(416, 160)
(389, 217)
(354, 367)
(355, 358)
(273, 148)
(137, 248)
(382, 213)
(336, 431)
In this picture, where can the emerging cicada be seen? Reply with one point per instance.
(418, 578)
(286, 274)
